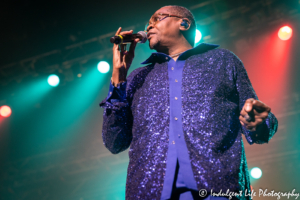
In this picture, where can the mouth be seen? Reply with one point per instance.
(149, 35)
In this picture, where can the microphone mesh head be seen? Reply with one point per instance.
(144, 35)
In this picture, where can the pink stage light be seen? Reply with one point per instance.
(5, 111)
(285, 33)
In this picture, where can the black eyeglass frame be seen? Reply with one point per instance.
(159, 19)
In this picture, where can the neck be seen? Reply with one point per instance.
(177, 52)
(176, 47)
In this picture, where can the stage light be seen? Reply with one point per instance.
(285, 33)
(256, 173)
(103, 67)
(5, 111)
(53, 80)
(198, 36)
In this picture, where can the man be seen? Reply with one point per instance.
(183, 114)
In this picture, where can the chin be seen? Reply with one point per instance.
(153, 43)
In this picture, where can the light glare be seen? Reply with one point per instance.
(103, 67)
(53, 80)
(198, 36)
(5, 111)
(256, 173)
(285, 33)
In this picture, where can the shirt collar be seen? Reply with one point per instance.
(161, 57)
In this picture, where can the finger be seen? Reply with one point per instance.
(137, 39)
(126, 32)
(260, 106)
(263, 115)
(117, 57)
(116, 48)
(248, 118)
(243, 112)
(254, 122)
(259, 121)
(123, 47)
(245, 122)
(251, 126)
(255, 114)
(260, 115)
(132, 47)
(248, 105)
(118, 31)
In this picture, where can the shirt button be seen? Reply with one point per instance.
(176, 118)
(176, 98)
(176, 80)
(166, 58)
(173, 142)
(172, 68)
(110, 92)
(178, 135)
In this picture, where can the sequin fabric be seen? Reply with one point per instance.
(215, 86)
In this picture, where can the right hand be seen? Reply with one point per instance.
(122, 59)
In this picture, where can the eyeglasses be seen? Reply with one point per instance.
(157, 18)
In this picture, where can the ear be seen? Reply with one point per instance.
(184, 24)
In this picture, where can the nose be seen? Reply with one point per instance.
(150, 27)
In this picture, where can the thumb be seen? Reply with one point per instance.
(248, 107)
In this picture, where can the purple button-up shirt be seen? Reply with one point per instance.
(204, 98)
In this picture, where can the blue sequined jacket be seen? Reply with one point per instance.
(215, 86)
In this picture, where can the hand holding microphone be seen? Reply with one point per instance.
(122, 58)
(123, 39)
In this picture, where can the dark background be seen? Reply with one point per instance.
(51, 146)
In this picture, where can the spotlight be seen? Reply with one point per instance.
(103, 67)
(5, 111)
(256, 173)
(53, 80)
(285, 33)
(198, 36)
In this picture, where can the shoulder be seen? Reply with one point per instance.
(219, 58)
(227, 55)
(221, 53)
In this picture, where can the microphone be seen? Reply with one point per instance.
(124, 39)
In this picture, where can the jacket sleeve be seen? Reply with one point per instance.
(117, 119)
(268, 128)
